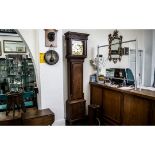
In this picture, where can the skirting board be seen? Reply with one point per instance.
(59, 123)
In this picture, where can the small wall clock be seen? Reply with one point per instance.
(51, 57)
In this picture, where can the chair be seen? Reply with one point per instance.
(28, 98)
(3, 102)
(94, 114)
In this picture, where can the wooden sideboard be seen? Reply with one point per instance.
(123, 107)
(32, 117)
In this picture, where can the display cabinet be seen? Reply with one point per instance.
(29, 78)
(20, 73)
(17, 75)
(3, 76)
(14, 73)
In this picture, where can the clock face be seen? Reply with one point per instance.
(51, 57)
(77, 47)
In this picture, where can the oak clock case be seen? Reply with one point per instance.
(76, 52)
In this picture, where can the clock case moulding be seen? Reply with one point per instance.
(74, 36)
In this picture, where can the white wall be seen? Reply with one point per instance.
(100, 37)
(153, 57)
(30, 37)
(148, 40)
(50, 78)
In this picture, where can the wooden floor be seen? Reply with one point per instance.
(9, 120)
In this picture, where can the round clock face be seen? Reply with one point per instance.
(77, 47)
(51, 57)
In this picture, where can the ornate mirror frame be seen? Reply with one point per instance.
(115, 54)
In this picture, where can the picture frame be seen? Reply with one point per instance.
(10, 46)
(126, 51)
(51, 38)
(9, 31)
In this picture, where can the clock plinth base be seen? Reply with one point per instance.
(75, 110)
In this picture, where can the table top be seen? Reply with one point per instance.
(24, 93)
(37, 113)
(148, 94)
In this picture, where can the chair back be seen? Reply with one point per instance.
(3, 99)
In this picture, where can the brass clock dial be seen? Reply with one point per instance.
(77, 47)
(51, 57)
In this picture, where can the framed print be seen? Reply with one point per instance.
(9, 31)
(50, 37)
(11, 46)
(0, 49)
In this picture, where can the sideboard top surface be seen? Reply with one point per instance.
(148, 94)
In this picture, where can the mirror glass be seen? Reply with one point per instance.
(116, 45)
(17, 72)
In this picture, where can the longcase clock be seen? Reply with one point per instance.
(76, 52)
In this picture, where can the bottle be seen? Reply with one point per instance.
(124, 82)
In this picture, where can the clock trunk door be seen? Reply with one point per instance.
(76, 80)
